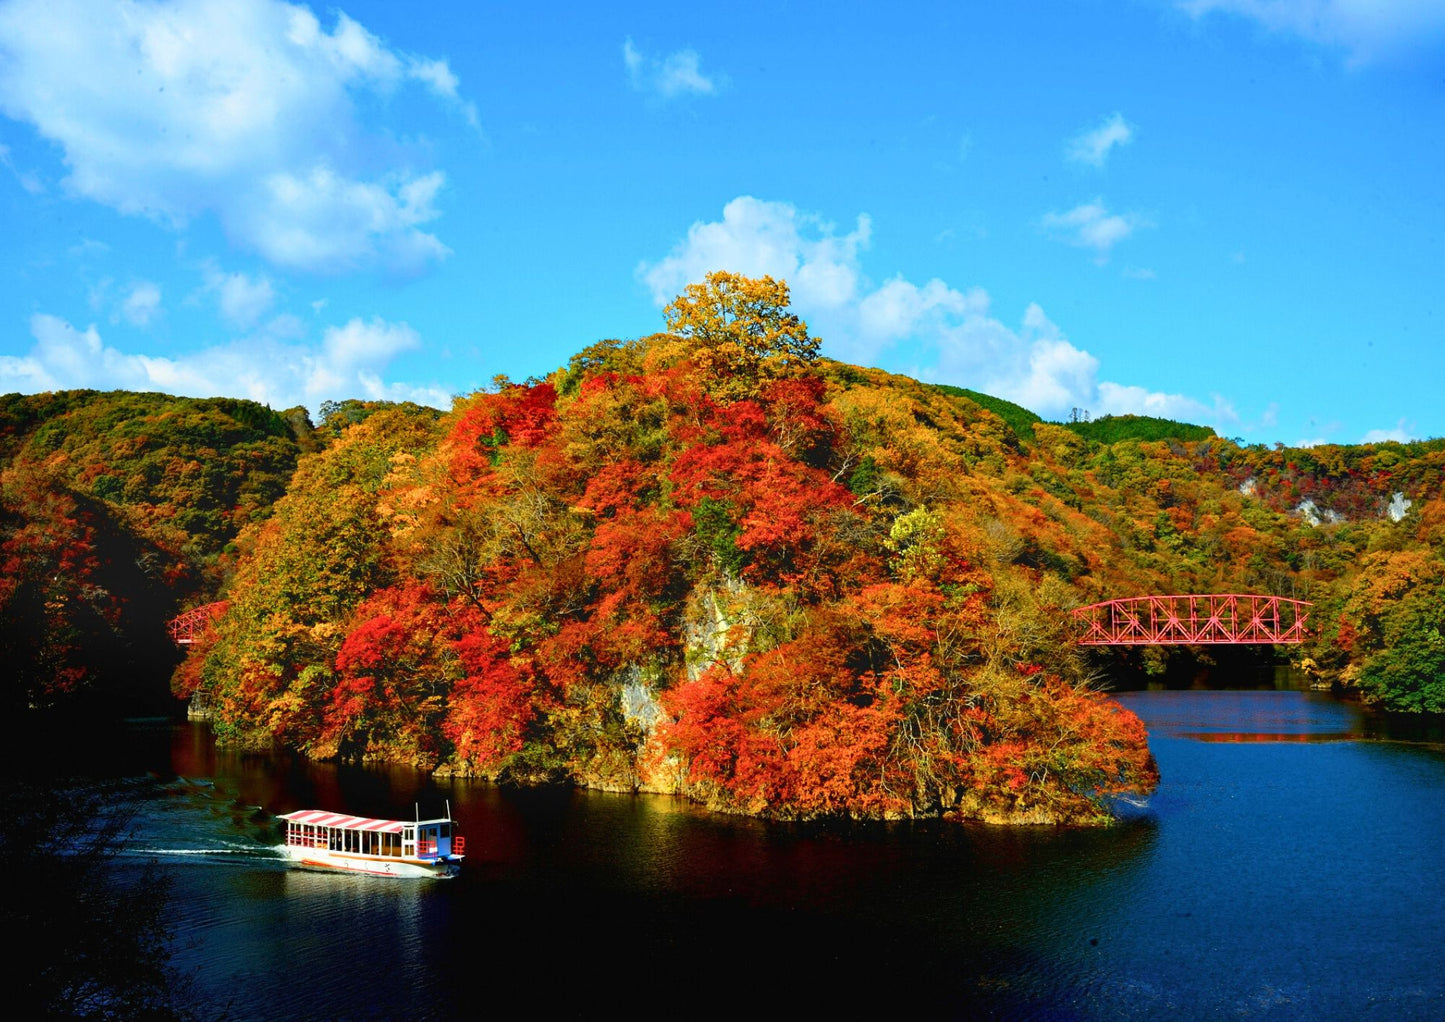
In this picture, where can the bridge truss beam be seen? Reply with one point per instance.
(1194, 620)
(188, 627)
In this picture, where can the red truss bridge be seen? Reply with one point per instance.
(188, 627)
(1226, 619)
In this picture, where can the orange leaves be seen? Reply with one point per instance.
(903, 616)
(739, 333)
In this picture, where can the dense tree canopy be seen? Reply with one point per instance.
(115, 509)
(705, 561)
(690, 563)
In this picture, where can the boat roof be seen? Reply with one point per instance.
(322, 818)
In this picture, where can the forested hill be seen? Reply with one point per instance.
(116, 509)
(709, 561)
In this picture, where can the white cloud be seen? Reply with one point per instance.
(142, 305)
(321, 220)
(87, 248)
(759, 238)
(1400, 434)
(245, 110)
(1091, 225)
(1368, 30)
(1119, 400)
(266, 367)
(1093, 146)
(931, 330)
(677, 74)
(242, 299)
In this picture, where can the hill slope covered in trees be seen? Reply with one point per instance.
(708, 562)
(115, 509)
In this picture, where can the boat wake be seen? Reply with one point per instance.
(189, 822)
(238, 851)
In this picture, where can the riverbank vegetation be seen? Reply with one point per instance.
(707, 561)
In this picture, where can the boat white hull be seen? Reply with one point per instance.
(373, 865)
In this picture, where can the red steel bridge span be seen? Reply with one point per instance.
(1212, 620)
(188, 627)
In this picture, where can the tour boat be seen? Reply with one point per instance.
(397, 848)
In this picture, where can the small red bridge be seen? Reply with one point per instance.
(188, 627)
(1225, 619)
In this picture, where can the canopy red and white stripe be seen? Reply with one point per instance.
(321, 818)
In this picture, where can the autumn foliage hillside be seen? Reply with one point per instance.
(702, 562)
(706, 562)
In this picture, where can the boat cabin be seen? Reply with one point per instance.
(315, 837)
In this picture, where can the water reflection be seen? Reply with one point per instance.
(1283, 869)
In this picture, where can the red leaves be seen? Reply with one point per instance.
(491, 705)
(734, 456)
(414, 670)
(518, 415)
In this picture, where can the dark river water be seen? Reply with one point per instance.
(1291, 866)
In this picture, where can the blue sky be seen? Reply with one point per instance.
(1224, 211)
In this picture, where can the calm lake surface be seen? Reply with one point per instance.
(1291, 865)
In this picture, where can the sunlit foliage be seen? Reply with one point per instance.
(700, 562)
(706, 561)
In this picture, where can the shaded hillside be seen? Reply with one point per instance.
(115, 509)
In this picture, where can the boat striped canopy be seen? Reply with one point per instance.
(321, 818)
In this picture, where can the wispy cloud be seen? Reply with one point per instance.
(142, 304)
(1367, 30)
(1091, 225)
(269, 366)
(678, 74)
(245, 110)
(1093, 146)
(933, 330)
(1401, 433)
(27, 179)
(241, 299)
